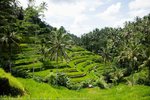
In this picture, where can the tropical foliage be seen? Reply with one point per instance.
(35, 57)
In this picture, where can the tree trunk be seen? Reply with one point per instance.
(149, 68)
(9, 59)
(33, 73)
(57, 69)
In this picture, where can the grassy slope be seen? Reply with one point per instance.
(121, 92)
(13, 84)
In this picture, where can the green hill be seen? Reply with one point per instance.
(9, 85)
(80, 67)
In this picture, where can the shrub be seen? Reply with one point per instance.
(140, 77)
(101, 83)
(10, 85)
(20, 73)
(59, 79)
(38, 78)
(74, 86)
(114, 75)
(86, 83)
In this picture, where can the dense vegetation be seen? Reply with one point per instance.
(41, 61)
(127, 48)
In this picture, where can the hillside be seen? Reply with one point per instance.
(9, 85)
(42, 62)
(121, 92)
(79, 68)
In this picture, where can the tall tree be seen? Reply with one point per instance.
(58, 44)
(8, 27)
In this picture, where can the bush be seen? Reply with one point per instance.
(74, 86)
(50, 78)
(20, 73)
(140, 77)
(114, 75)
(101, 83)
(10, 85)
(38, 78)
(59, 79)
(141, 81)
(86, 83)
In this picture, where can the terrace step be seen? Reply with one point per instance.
(92, 66)
(68, 70)
(25, 61)
(76, 74)
(34, 66)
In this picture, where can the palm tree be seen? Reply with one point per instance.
(43, 49)
(105, 54)
(59, 43)
(8, 16)
(8, 40)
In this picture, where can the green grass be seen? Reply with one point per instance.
(12, 82)
(121, 92)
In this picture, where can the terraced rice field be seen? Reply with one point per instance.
(80, 67)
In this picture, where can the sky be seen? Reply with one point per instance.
(82, 16)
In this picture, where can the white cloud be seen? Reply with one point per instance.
(68, 10)
(23, 3)
(139, 4)
(75, 12)
(63, 1)
(82, 16)
(120, 22)
(78, 24)
(92, 9)
(139, 13)
(80, 19)
(111, 12)
(139, 8)
(72, 14)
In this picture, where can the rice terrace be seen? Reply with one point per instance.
(74, 50)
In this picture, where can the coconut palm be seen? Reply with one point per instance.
(8, 41)
(59, 43)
